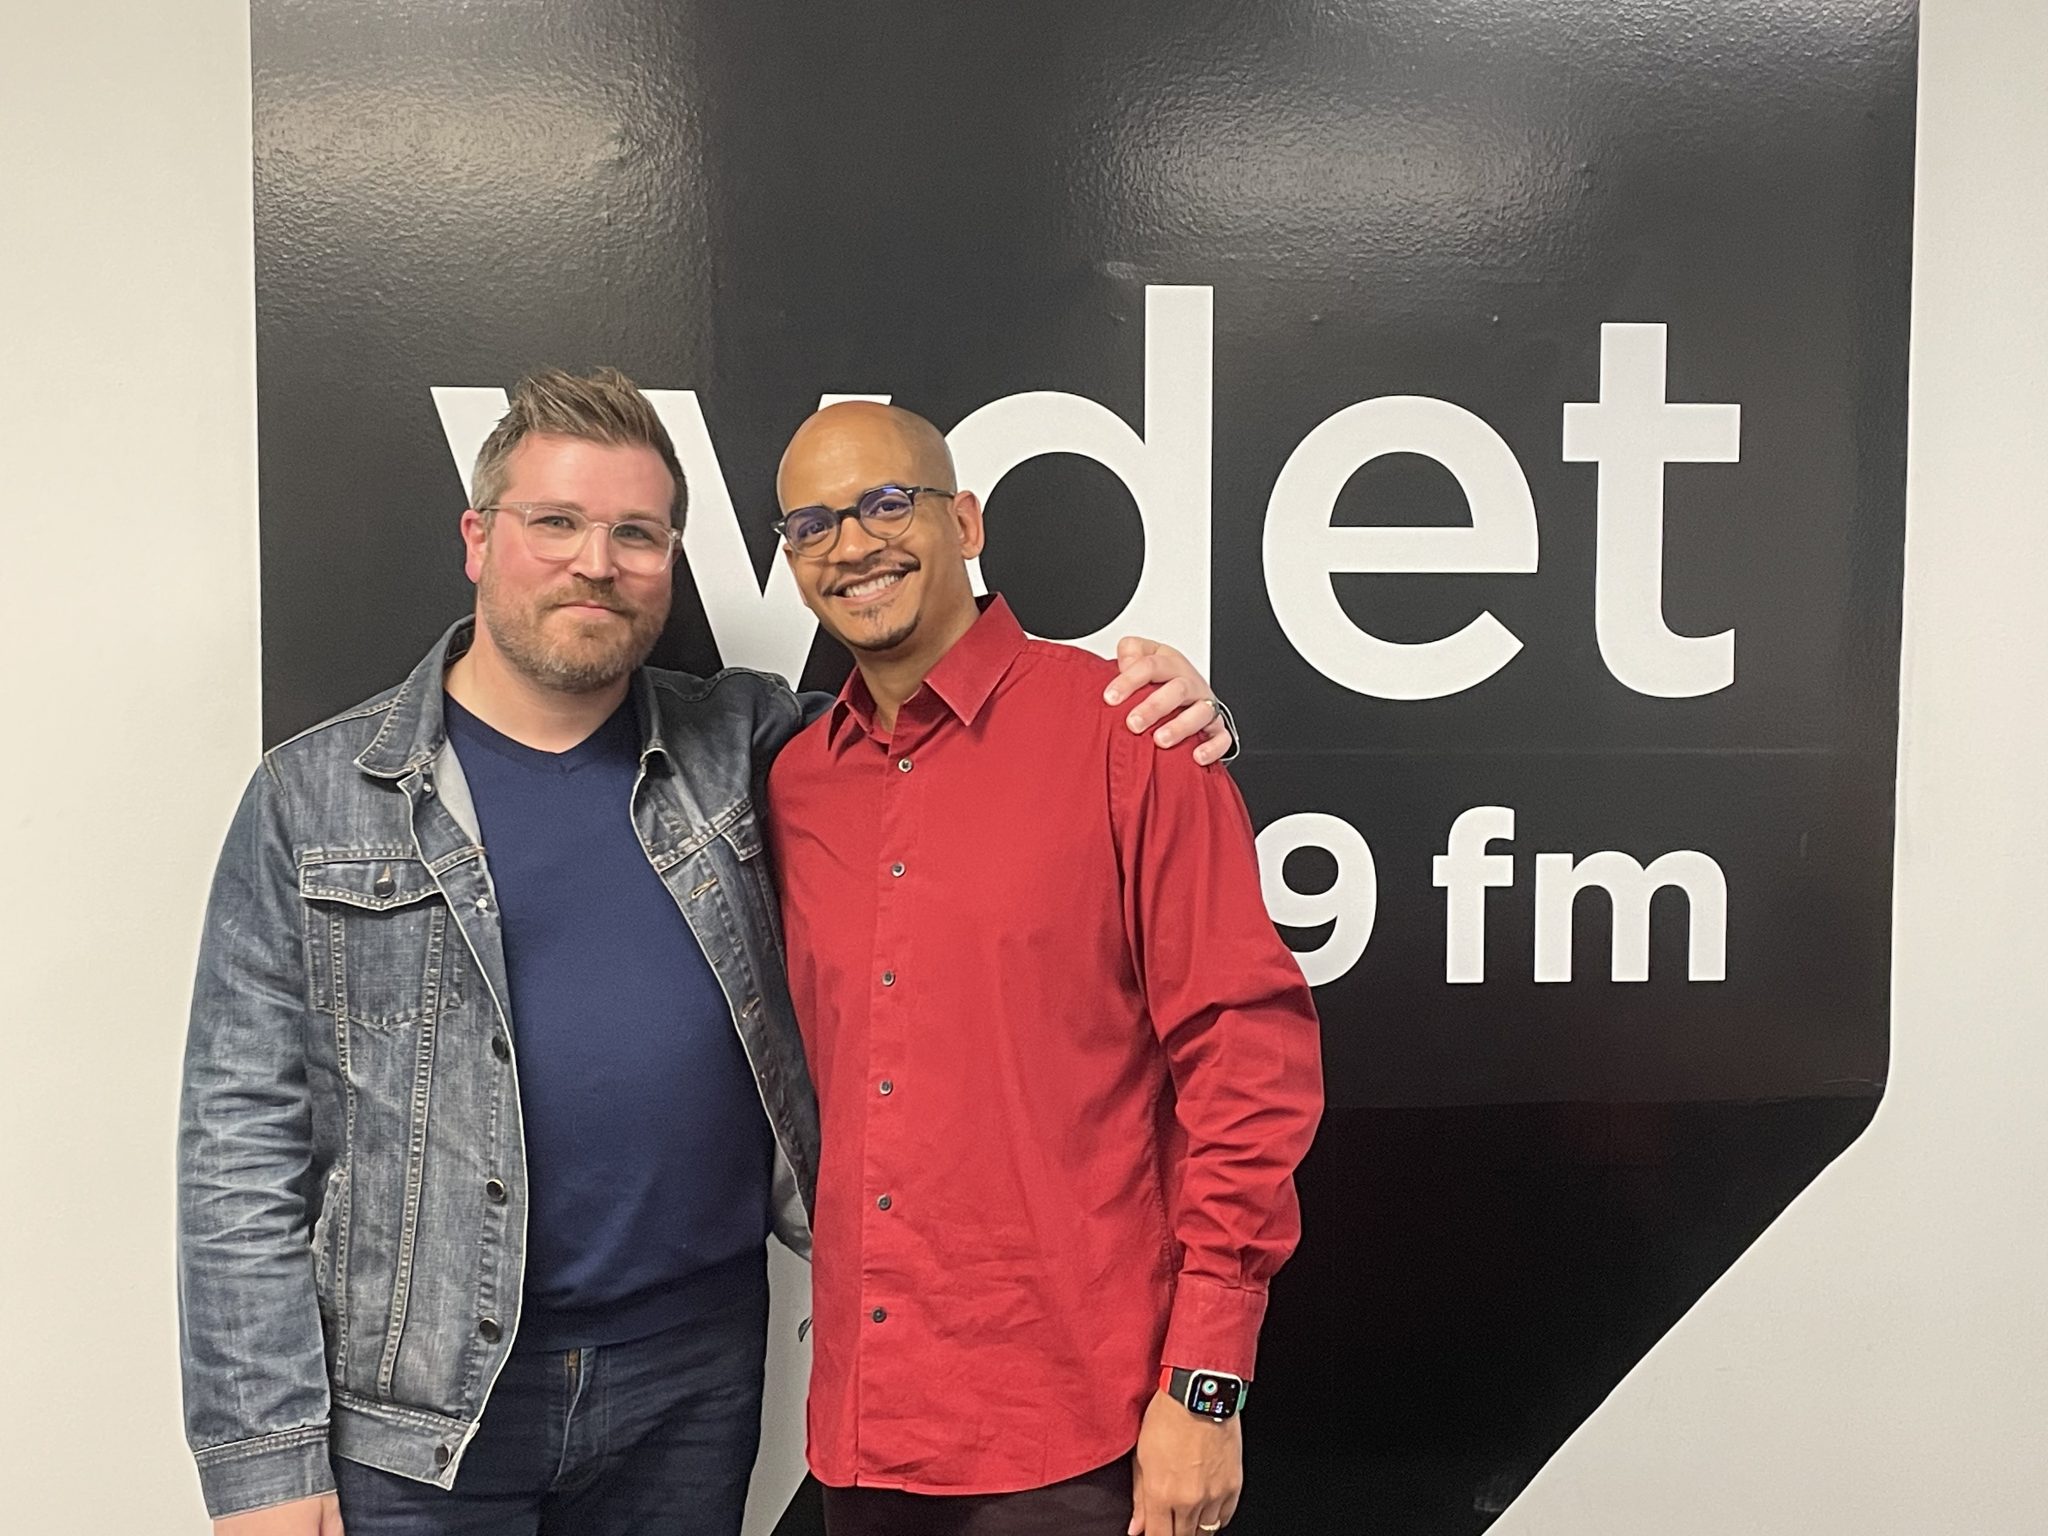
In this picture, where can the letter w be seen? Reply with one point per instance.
(753, 626)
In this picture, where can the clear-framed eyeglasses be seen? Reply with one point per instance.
(640, 546)
(885, 512)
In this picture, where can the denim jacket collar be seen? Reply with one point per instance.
(414, 730)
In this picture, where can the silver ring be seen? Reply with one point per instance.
(1236, 745)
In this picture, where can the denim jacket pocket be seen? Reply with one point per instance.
(741, 830)
(371, 931)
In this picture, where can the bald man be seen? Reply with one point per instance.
(1065, 1067)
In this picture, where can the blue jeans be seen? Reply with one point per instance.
(655, 1437)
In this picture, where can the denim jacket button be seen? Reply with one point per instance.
(494, 1191)
(489, 1331)
(442, 1456)
(501, 1047)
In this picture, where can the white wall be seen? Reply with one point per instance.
(128, 649)
(1875, 1365)
(1878, 1363)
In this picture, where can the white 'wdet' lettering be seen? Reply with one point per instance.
(1303, 548)
(1632, 434)
(1166, 470)
(754, 624)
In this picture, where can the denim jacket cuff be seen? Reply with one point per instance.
(269, 1469)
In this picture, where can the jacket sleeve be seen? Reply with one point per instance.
(1242, 1043)
(777, 714)
(255, 1378)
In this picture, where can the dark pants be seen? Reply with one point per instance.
(655, 1437)
(1096, 1503)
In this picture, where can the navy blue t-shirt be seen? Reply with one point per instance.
(647, 1150)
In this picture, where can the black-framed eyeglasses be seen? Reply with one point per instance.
(883, 511)
(643, 546)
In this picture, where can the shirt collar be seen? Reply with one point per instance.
(962, 681)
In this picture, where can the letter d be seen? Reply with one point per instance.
(1166, 471)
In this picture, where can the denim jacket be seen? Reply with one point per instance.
(351, 1165)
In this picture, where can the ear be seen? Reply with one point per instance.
(475, 533)
(967, 523)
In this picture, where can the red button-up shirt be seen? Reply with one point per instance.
(1065, 1069)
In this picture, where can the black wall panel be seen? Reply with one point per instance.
(1522, 1183)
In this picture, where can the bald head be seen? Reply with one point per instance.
(894, 589)
(843, 444)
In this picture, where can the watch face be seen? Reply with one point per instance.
(1214, 1394)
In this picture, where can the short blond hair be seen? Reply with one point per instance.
(602, 406)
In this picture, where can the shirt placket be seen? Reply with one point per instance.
(886, 1302)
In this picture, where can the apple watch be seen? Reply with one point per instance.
(1217, 1395)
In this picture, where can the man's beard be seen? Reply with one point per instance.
(881, 641)
(579, 663)
(862, 635)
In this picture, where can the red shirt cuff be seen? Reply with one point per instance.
(1214, 1327)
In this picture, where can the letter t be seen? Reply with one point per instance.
(1632, 434)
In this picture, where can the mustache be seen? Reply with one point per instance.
(881, 563)
(582, 589)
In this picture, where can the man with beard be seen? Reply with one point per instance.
(1065, 1066)
(383, 1226)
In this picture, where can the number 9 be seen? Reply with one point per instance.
(1351, 902)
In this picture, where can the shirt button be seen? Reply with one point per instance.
(501, 1047)
(489, 1331)
(426, 786)
(483, 903)
(494, 1191)
(897, 870)
(883, 1203)
(887, 1088)
(880, 1314)
(888, 978)
(903, 765)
